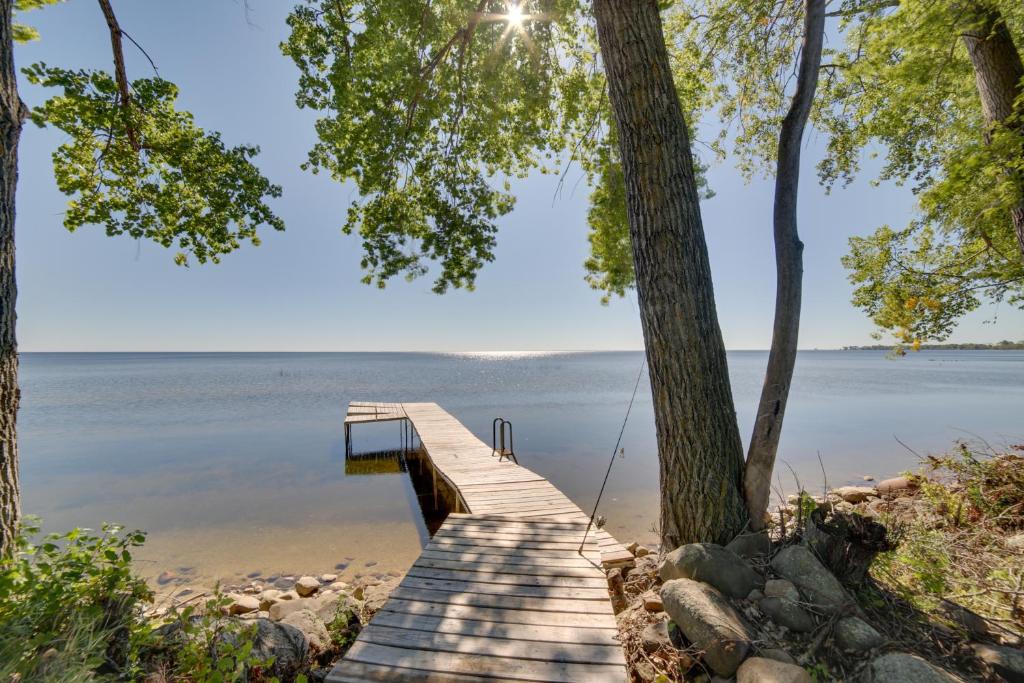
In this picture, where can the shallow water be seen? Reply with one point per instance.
(235, 463)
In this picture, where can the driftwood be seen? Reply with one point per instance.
(846, 543)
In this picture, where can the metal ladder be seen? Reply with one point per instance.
(498, 440)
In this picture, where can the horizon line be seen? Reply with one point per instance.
(435, 351)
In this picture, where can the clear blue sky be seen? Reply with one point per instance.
(300, 290)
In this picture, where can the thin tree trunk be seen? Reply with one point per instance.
(699, 446)
(789, 267)
(998, 73)
(12, 114)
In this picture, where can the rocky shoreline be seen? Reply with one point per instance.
(764, 608)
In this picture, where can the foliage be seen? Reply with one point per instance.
(953, 546)
(904, 82)
(210, 648)
(344, 627)
(181, 188)
(23, 33)
(70, 605)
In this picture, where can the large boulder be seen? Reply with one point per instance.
(764, 670)
(312, 627)
(713, 564)
(895, 486)
(709, 622)
(286, 644)
(856, 635)
(905, 668)
(816, 583)
(749, 546)
(282, 609)
(1008, 662)
(788, 613)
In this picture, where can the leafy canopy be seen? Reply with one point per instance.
(23, 33)
(904, 82)
(183, 187)
(430, 108)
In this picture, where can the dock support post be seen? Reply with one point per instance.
(433, 474)
(348, 439)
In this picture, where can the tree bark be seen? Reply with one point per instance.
(699, 447)
(789, 269)
(12, 114)
(998, 73)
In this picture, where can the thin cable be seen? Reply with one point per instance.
(618, 441)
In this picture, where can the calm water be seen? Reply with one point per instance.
(235, 462)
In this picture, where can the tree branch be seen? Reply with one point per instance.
(124, 92)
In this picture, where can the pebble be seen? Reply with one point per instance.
(166, 577)
(307, 586)
(653, 603)
(328, 578)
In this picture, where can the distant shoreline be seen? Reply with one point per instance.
(1000, 346)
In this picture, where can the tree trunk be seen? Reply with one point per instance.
(699, 446)
(789, 269)
(12, 113)
(998, 73)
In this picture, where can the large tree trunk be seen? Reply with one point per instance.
(789, 270)
(998, 73)
(12, 113)
(699, 446)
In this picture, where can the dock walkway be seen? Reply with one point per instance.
(502, 590)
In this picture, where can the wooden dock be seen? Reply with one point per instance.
(502, 591)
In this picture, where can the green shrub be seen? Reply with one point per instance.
(70, 607)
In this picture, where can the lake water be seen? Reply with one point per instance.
(235, 462)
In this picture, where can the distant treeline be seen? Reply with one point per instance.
(1005, 345)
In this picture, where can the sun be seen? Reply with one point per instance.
(515, 14)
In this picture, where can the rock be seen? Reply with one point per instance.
(1015, 542)
(288, 595)
(655, 636)
(166, 577)
(283, 583)
(755, 595)
(709, 622)
(749, 546)
(287, 646)
(375, 596)
(764, 670)
(282, 609)
(617, 590)
(855, 494)
(307, 586)
(269, 597)
(632, 546)
(778, 654)
(780, 588)
(328, 578)
(642, 551)
(652, 602)
(312, 626)
(1008, 662)
(868, 477)
(712, 564)
(339, 586)
(854, 634)
(895, 486)
(905, 668)
(329, 607)
(648, 564)
(787, 613)
(816, 584)
(243, 604)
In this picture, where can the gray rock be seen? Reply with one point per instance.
(1008, 662)
(764, 670)
(855, 494)
(816, 584)
(1015, 542)
(780, 588)
(712, 564)
(286, 644)
(787, 613)
(756, 595)
(329, 607)
(243, 604)
(307, 586)
(778, 654)
(655, 636)
(857, 635)
(709, 622)
(375, 596)
(905, 668)
(312, 627)
(894, 486)
(282, 609)
(749, 546)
